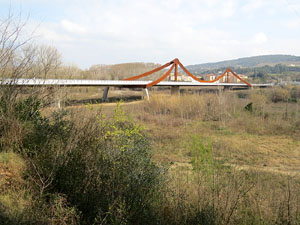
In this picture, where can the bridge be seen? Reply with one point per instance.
(132, 82)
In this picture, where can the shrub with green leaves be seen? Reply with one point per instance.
(102, 167)
(105, 171)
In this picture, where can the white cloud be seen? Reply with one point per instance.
(158, 30)
(292, 24)
(49, 32)
(270, 7)
(51, 35)
(252, 5)
(171, 3)
(72, 27)
(229, 8)
(294, 5)
(288, 46)
(259, 38)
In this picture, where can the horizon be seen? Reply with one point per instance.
(94, 32)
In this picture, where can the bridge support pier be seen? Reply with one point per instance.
(174, 90)
(227, 88)
(105, 93)
(58, 104)
(146, 94)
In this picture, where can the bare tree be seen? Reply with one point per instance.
(21, 58)
(70, 71)
(48, 61)
(15, 54)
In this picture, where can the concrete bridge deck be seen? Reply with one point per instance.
(116, 83)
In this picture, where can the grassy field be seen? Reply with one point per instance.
(268, 138)
(230, 157)
(259, 146)
(262, 142)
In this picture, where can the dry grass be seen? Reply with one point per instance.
(237, 195)
(238, 137)
(11, 169)
(258, 151)
(14, 198)
(263, 143)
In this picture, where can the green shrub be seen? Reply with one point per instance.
(16, 120)
(28, 109)
(111, 179)
(104, 171)
(100, 169)
(202, 158)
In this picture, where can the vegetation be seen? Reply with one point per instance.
(214, 158)
(224, 167)
(100, 174)
(63, 169)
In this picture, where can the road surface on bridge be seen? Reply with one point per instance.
(116, 83)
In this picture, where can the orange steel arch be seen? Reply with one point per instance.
(161, 78)
(175, 63)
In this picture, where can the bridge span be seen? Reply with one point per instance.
(120, 83)
(132, 82)
(116, 83)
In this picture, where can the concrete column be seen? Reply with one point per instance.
(174, 90)
(146, 94)
(105, 93)
(226, 88)
(58, 96)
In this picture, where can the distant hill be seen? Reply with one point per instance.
(253, 61)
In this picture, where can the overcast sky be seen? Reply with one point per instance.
(89, 32)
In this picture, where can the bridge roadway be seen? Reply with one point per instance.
(116, 83)
(120, 83)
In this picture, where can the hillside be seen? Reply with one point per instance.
(253, 61)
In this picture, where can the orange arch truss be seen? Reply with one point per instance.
(175, 63)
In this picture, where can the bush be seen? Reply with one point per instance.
(115, 172)
(104, 170)
(242, 94)
(17, 120)
(295, 93)
(279, 95)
